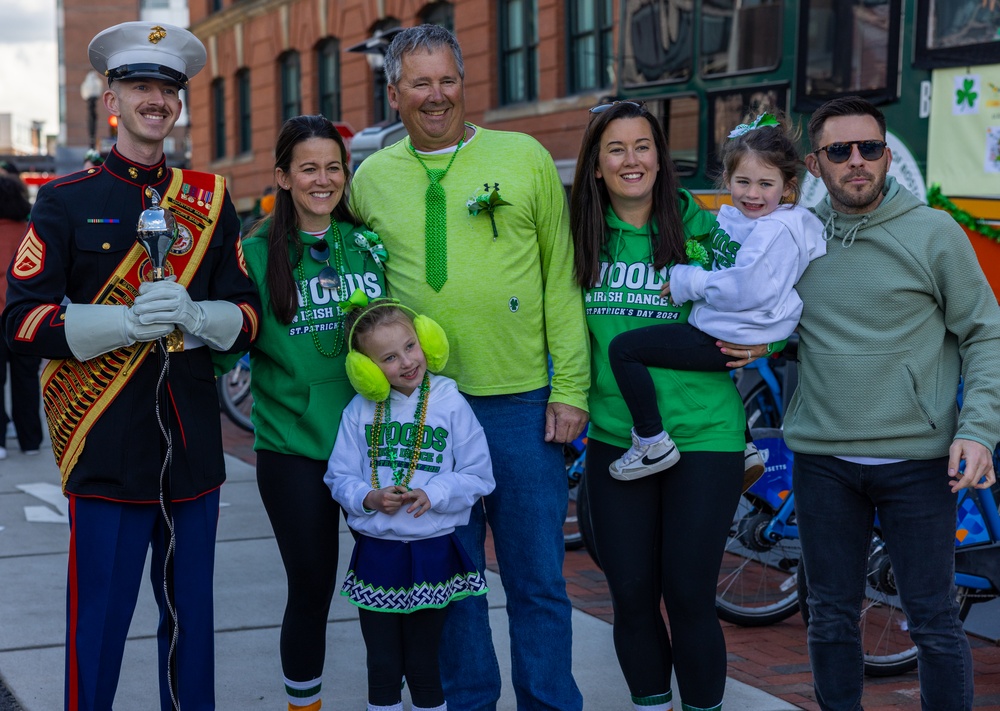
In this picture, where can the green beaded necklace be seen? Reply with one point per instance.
(338, 260)
(382, 416)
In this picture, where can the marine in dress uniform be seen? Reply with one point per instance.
(80, 294)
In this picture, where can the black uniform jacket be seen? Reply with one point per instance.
(85, 224)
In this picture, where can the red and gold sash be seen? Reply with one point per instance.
(77, 393)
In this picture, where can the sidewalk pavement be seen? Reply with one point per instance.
(249, 601)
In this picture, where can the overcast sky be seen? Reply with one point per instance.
(29, 62)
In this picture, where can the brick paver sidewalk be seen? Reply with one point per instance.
(772, 658)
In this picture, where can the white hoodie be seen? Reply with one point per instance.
(754, 300)
(455, 467)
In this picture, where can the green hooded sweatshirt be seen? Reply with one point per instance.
(701, 411)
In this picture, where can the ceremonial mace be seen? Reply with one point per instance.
(157, 232)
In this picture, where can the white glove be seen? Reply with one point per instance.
(217, 323)
(168, 302)
(93, 329)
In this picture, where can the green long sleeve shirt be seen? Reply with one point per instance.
(508, 302)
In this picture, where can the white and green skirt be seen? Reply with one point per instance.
(404, 576)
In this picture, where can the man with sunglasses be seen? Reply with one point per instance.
(895, 313)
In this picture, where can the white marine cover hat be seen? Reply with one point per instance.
(147, 50)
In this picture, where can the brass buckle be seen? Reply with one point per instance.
(175, 341)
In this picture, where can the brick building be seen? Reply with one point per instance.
(530, 65)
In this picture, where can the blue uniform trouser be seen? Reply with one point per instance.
(107, 552)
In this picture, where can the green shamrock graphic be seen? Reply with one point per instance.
(966, 94)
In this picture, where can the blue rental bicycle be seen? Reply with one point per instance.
(759, 582)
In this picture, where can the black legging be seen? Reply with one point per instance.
(662, 536)
(306, 521)
(403, 645)
(677, 346)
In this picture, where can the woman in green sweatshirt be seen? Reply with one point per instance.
(306, 260)
(663, 534)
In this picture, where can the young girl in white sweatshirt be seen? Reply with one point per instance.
(409, 463)
(763, 246)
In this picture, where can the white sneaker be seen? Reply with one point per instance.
(642, 460)
(3, 452)
(753, 467)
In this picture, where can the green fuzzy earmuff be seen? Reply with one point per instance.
(365, 375)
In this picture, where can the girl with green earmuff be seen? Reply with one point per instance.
(410, 461)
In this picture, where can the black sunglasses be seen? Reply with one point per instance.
(601, 108)
(328, 277)
(841, 152)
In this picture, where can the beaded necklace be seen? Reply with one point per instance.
(338, 260)
(381, 418)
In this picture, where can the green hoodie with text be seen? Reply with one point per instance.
(701, 411)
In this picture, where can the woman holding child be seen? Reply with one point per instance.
(659, 536)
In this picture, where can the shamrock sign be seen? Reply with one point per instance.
(966, 95)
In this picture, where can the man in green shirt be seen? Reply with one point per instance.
(497, 273)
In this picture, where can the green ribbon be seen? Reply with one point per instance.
(368, 241)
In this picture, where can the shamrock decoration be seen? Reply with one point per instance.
(761, 121)
(696, 253)
(368, 241)
(966, 93)
(487, 202)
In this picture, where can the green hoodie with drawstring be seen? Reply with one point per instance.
(701, 411)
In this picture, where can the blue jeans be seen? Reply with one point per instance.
(526, 513)
(835, 503)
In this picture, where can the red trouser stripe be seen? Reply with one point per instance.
(72, 671)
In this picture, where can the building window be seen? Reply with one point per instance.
(439, 13)
(518, 51)
(328, 65)
(153, 4)
(291, 91)
(849, 47)
(218, 119)
(740, 36)
(214, 5)
(591, 52)
(243, 110)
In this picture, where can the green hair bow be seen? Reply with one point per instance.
(760, 122)
(357, 300)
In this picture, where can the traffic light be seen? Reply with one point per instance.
(113, 126)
